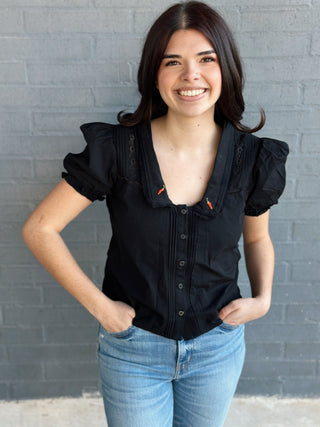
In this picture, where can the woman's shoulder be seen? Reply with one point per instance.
(272, 145)
(260, 145)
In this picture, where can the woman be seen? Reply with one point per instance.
(183, 178)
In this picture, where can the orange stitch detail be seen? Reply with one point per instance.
(209, 204)
(161, 190)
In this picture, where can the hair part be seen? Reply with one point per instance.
(197, 16)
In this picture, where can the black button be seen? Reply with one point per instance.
(183, 236)
(181, 313)
(180, 285)
(182, 263)
(184, 211)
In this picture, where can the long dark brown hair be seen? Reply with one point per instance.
(197, 16)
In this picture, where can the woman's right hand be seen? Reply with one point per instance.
(117, 317)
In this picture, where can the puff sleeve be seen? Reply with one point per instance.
(92, 173)
(269, 176)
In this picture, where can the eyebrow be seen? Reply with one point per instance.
(205, 52)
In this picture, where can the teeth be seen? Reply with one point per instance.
(191, 92)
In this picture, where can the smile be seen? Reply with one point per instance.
(190, 93)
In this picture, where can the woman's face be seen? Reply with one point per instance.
(189, 78)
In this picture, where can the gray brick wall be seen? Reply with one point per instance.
(63, 63)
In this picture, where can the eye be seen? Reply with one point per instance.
(171, 63)
(208, 59)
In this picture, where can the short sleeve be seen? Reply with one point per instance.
(269, 176)
(92, 173)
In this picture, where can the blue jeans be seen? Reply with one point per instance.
(152, 381)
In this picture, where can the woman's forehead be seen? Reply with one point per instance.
(188, 40)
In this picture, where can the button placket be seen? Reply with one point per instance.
(182, 259)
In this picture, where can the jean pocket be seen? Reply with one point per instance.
(228, 327)
(122, 334)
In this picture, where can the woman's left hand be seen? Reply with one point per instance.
(244, 310)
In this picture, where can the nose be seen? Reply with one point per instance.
(190, 72)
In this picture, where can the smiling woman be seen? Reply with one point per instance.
(183, 179)
(189, 77)
(199, 17)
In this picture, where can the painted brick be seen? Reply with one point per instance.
(315, 46)
(271, 44)
(12, 372)
(279, 231)
(55, 147)
(310, 143)
(121, 49)
(282, 333)
(11, 253)
(64, 371)
(275, 313)
(306, 271)
(133, 4)
(26, 296)
(283, 120)
(121, 96)
(104, 233)
(52, 353)
(289, 191)
(308, 351)
(278, 368)
(271, 93)
(282, 20)
(58, 296)
(22, 335)
(282, 69)
(70, 334)
(15, 212)
(302, 386)
(51, 97)
(24, 192)
(230, 14)
(90, 252)
(3, 356)
(306, 231)
(288, 210)
(308, 188)
(304, 313)
(77, 21)
(311, 94)
(11, 21)
(4, 391)
(262, 351)
(248, 386)
(297, 293)
(62, 123)
(12, 73)
(77, 74)
(46, 315)
(14, 122)
(298, 251)
(15, 168)
(308, 165)
(49, 389)
(46, 3)
(41, 49)
(16, 146)
(47, 170)
(79, 232)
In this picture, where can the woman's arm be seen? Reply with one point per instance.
(259, 255)
(41, 234)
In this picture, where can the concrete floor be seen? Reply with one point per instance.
(244, 412)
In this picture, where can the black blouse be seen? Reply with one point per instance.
(177, 265)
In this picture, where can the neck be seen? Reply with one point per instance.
(200, 133)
